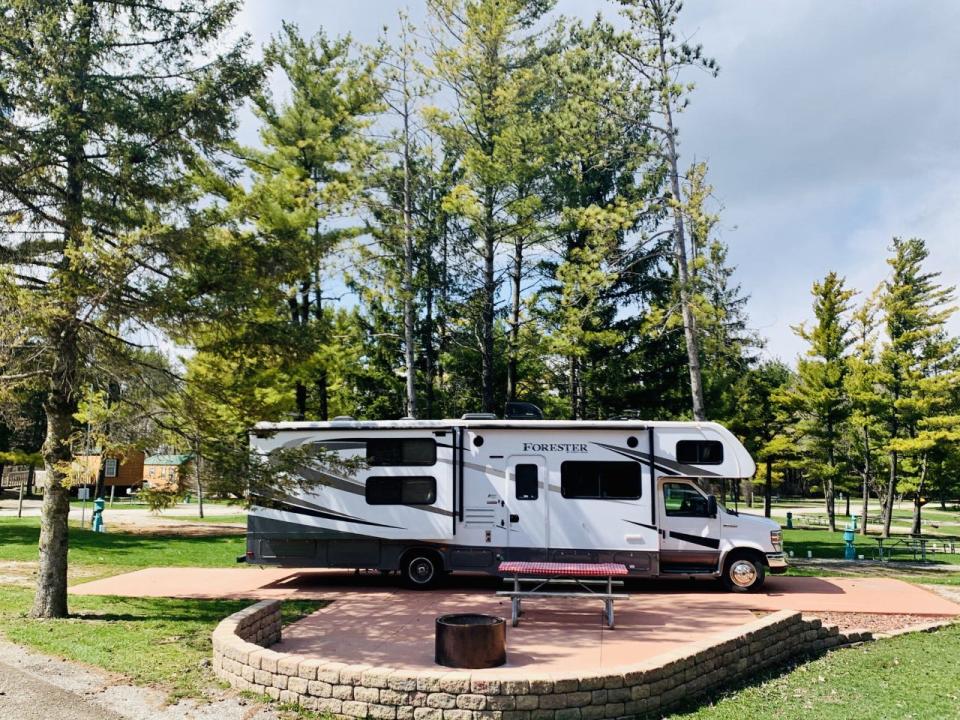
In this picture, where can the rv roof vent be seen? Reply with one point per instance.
(478, 416)
(522, 411)
(343, 418)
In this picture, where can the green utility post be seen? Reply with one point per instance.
(98, 515)
(789, 521)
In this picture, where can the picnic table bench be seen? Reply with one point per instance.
(915, 545)
(584, 580)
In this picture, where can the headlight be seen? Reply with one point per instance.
(776, 538)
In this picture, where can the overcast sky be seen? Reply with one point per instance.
(832, 127)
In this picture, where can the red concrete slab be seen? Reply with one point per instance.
(371, 620)
(837, 594)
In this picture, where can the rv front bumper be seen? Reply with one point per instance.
(777, 562)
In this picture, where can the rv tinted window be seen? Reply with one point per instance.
(401, 451)
(527, 479)
(612, 480)
(420, 490)
(700, 452)
(680, 500)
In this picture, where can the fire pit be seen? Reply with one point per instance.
(471, 641)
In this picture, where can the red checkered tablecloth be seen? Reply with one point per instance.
(568, 569)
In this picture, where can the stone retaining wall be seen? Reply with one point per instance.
(241, 657)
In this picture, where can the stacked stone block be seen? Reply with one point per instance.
(242, 658)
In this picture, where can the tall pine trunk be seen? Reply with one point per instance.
(516, 276)
(409, 338)
(680, 245)
(867, 470)
(768, 490)
(891, 491)
(487, 313)
(918, 498)
(60, 407)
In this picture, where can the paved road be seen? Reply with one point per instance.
(38, 687)
(26, 697)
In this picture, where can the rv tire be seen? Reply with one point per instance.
(743, 572)
(421, 569)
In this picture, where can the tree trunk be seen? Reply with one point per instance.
(680, 244)
(20, 498)
(891, 491)
(915, 528)
(516, 276)
(408, 308)
(867, 470)
(489, 293)
(50, 600)
(768, 490)
(847, 513)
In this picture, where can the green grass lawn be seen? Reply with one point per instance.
(19, 536)
(153, 641)
(912, 677)
(825, 544)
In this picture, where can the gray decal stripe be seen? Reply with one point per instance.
(284, 506)
(643, 525)
(713, 543)
(670, 467)
(486, 469)
(339, 483)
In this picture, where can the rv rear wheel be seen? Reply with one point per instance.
(421, 570)
(743, 573)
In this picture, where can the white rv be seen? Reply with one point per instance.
(435, 496)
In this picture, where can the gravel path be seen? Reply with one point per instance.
(38, 687)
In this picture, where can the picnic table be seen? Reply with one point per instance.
(575, 580)
(916, 545)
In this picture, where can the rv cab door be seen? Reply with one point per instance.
(526, 499)
(690, 537)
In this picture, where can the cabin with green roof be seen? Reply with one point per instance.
(167, 472)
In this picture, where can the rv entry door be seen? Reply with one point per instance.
(528, 527)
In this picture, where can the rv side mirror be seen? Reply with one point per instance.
(711, 506)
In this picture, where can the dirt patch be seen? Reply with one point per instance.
(179, 528)
(874, 622)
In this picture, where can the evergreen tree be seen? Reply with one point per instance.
(310, 173)
(866, 427)
(918, 373)
(485, 54)
(650, 47)
(111, 107)
(818, 403)
(757, 419)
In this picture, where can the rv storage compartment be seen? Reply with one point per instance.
(471, 641)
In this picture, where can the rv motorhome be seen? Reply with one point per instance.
(434, 496)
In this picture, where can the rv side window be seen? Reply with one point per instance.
(700, 452)
(401, 451)
(680, 500)
(420, 490)
(600, 480)
(527, 479)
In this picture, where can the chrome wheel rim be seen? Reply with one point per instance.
(743, 573)
(421, 570)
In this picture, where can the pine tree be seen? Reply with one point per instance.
(310, 172)
(918, 372)
(757, 420)
(818, 403)
(650, 47)
(485, 54)
(112, 106)
(866, 427)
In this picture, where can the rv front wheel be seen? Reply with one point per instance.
(421, 570)
(743, 573)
